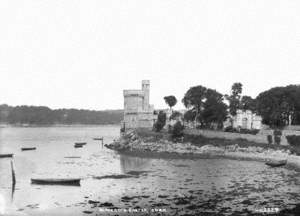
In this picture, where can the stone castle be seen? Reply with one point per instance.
(138, 113)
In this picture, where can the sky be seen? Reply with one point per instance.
(82, 54)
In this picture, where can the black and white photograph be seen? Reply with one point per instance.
(149, 107)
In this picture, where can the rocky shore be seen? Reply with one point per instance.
(152, 145)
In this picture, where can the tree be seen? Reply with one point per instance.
(234, 98)
(214, 109)
(248, 103)
(206, 106)
(175, 115)
(279, 106)
(170, 100)
(194, 99)
(160, 122)
(177, 130)
(189, 116)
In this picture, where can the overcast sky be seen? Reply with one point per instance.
(82, 54)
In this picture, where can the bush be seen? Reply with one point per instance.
(199, 127)
(175, 115)
(122, 129)
(277, 132)
(161, 121)
(177, 130)
(247, 131)
(229, 129)
(277, 139)
(270, 139)
(293, 140)
(242, 131)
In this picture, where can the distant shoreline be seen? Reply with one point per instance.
(54, 125)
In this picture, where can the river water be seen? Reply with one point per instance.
(221, 186)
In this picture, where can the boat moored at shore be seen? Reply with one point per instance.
(56, 181)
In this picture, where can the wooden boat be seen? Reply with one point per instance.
(100, 138)
(56, 181)
(6, 155)
(28, 148)
(276, 163)
(80, 143)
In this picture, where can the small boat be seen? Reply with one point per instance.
(56, 181)
(80, 143)
(276, 163)
(6, 155)
(100, 138)
(28, 148)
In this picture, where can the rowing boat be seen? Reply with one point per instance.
(101, 138)
(80, 143)
(56, 181)
(6, 155)
(276, 163)
(28, 148)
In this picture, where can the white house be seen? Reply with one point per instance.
(244, 119)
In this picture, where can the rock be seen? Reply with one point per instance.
(106, 204)
(124, 142)
(211, 149)
(93, 202)
(116, 176)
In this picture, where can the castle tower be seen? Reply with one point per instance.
(137, 111)
(146, 90)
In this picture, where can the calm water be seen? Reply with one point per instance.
(205, 185)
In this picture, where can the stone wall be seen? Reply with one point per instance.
(258, 138)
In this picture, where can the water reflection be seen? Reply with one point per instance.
(133, 163)
(13, 180)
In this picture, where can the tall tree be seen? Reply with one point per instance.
(194, 99)
(205, 106)
(214, 109)
(248, 103)
(234, 97)
(279, 106)
(170, 100)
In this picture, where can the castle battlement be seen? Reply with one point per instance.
(132, 93)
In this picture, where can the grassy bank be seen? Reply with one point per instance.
(200, 140)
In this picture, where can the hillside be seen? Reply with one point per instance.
(42, 115)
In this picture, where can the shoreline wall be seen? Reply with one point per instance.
(258, 138)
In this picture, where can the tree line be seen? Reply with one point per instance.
(42, 115)
(278, 107)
